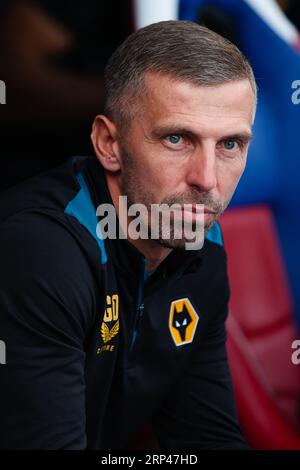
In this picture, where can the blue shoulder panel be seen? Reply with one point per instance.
(82, 208)
(214, 234)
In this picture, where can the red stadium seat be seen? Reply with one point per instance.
(261, 330)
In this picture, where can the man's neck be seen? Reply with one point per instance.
(152, 251)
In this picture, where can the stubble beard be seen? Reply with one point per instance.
(136, 192)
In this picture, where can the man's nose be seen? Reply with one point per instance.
(202, 169)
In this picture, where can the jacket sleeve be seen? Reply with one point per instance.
(46, 306)
(200, 411)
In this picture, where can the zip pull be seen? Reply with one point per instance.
(141, 310)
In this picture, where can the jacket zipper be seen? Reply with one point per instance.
(140, 308)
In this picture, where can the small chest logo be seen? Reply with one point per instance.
(111, 324)
(183, 320)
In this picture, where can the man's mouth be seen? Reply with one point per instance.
(194, 213)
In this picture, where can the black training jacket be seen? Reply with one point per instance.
(95, 349)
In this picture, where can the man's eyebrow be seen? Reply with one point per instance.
(244, 137)
(160, 131)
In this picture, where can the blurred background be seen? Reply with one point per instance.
(52, 57)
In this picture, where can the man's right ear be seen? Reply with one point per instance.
(104, 138)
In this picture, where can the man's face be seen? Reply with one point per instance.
(187, 145)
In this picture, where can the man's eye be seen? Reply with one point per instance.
(230, 144)
(174, 138)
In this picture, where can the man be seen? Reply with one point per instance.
(104, 336)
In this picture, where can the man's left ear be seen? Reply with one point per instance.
(104, 139)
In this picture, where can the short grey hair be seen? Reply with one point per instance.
(183, 50)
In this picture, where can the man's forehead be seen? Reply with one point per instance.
(167, 97)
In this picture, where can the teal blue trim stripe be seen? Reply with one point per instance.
(215, 235)
(82, 208)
